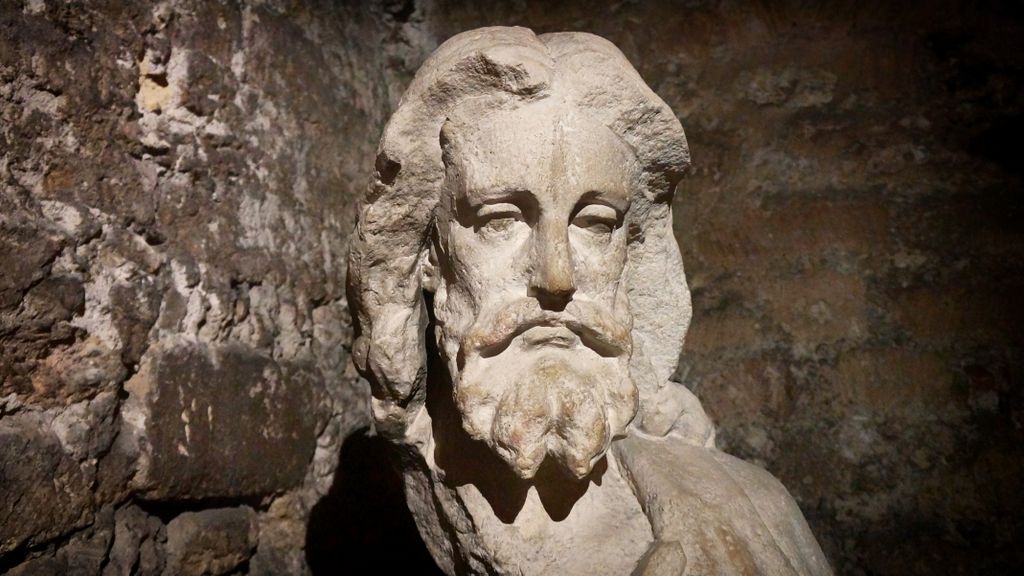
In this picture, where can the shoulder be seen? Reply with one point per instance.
(777, 510)
(764, 490)
(716, 489)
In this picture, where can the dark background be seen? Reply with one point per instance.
(178, 181)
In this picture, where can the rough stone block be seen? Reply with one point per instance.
(897, 381)
(748, 391)
(25, 251)
(44, 566)
(756, 240)
(725, 332)
(43, 493)
(219, 422)
(210, 542)
(818, 308)
(138, 544)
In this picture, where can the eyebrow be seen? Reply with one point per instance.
(491, 195)
(469, 200)
(620, 201)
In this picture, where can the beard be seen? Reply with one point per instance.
(536, 384)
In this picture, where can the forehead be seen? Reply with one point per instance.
(539, 144)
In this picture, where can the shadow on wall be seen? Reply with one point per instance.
(363, 520)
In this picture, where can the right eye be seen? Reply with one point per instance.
(596, 219)
(498, 218)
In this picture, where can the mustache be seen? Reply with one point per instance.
(598, 328)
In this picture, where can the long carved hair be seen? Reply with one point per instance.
(509, 67)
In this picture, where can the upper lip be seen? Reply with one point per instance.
(494, 332)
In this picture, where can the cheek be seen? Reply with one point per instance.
(598, 260)
(486, 261)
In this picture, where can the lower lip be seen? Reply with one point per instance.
(558, 337)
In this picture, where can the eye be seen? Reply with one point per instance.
(596, 218)
(497, 218)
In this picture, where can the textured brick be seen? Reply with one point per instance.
(43, 493)
(817, 308)
(897, 381)
(850, 226)
(211, 542)
(223, 422)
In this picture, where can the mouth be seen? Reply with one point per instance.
(546, 328)
(553, 336)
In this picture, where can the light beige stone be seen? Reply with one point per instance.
(520, 307)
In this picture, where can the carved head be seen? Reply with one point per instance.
(525, 182)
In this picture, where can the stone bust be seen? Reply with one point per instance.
(520, 308)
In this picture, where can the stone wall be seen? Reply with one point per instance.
(177, 183)
(177, 191)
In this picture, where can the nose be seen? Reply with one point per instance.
(551, 280)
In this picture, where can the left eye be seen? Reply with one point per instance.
(596, 218)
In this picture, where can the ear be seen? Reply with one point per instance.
(658, 294)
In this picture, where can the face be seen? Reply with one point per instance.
(532, 316)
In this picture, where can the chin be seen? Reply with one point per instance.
(551, 402)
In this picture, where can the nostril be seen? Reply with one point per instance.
(552, 300)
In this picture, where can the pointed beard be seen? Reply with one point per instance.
(566, 405)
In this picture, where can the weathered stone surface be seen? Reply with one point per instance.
(43, 493)
(869, 151)
(178, 171)
(87, 429)
(525, 183)
(219, 422)
(210, 542)
(84, 554)
(138, 546)
(42, 566)
(282, 530)
(719, 509)
(898, 200)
